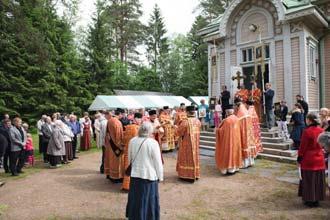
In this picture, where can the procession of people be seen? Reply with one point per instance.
(133, 143)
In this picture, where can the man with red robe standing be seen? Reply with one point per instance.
(130, 132)
(247, 139)
(228, 152)
(188, 131)
(114, 157)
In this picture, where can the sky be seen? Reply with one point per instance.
(178, 14)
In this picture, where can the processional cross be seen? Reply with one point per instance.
(239, 76)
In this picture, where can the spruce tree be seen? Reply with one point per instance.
(157, 42)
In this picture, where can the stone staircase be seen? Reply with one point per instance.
(274, 147)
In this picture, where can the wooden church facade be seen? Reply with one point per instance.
(294, 57)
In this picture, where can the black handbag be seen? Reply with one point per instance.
(128, 170)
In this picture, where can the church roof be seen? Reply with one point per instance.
(295, 3)
(291, 6)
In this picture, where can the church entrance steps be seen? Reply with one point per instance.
(207, 143)
(278, 146)
(285, 153)
(207, 138)
(206, 151)
(282, 159)
(269, 134)
(272, 140)
(275, 148)
(208, 133)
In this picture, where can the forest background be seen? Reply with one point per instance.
(44, 68)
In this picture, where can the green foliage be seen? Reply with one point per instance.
(156, 42)
(43, 70)
(211, 9)
(40, 68)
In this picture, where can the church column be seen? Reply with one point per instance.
(272, 68)
(228, 80)
(209, 70)
(303, 65)
(287, 65)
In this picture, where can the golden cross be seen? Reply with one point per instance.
(238, 77)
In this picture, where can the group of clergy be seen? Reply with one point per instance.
(181, 130)
(238, 137)
(238, 140)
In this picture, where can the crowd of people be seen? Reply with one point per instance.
(133, 143)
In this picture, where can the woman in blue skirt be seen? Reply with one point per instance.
(298, 124)
(147, 170)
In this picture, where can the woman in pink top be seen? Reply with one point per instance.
(29, 150)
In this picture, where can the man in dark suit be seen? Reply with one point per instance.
(225, 97)
(4, 130)
(269, 95)
(304, 104)
(46, 130)
(18, 141)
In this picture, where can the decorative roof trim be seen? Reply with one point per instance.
(235, 3)
(309, 11)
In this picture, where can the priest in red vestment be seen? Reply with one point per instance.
(130, 132)
(113, 164)
(247, 138)
(257, 95)
(188, 131)
(256, 126)
(243, 94)
(228, 152)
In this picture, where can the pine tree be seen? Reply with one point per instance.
(211, 9)
(127, 29)
(157, 43)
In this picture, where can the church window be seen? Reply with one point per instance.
(267, 52)
(312, 62)
(247, 55)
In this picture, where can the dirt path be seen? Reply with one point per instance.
(80, 192)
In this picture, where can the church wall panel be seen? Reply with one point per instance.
(222, 69)
(279, 70)
(327, 70)
(295, 62)
(233, 58)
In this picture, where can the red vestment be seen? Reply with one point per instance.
(113, 165)
(256, 94)
(228, 152)
(85, 140)
(256, 129)
(130, 132)
(167, 139)
(243, 94)
(188, 154)
(247, 138)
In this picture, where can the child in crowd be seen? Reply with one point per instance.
(281, 111)
(29, 152)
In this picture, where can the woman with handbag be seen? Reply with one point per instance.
(145, 169)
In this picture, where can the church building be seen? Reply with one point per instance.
(284, 42)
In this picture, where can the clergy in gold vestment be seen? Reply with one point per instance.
(180, 114)
(113, 162)
(256, 126)
(188, 154)
(130, 132)
(167, 139)
(228, 152)
(247, 138)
